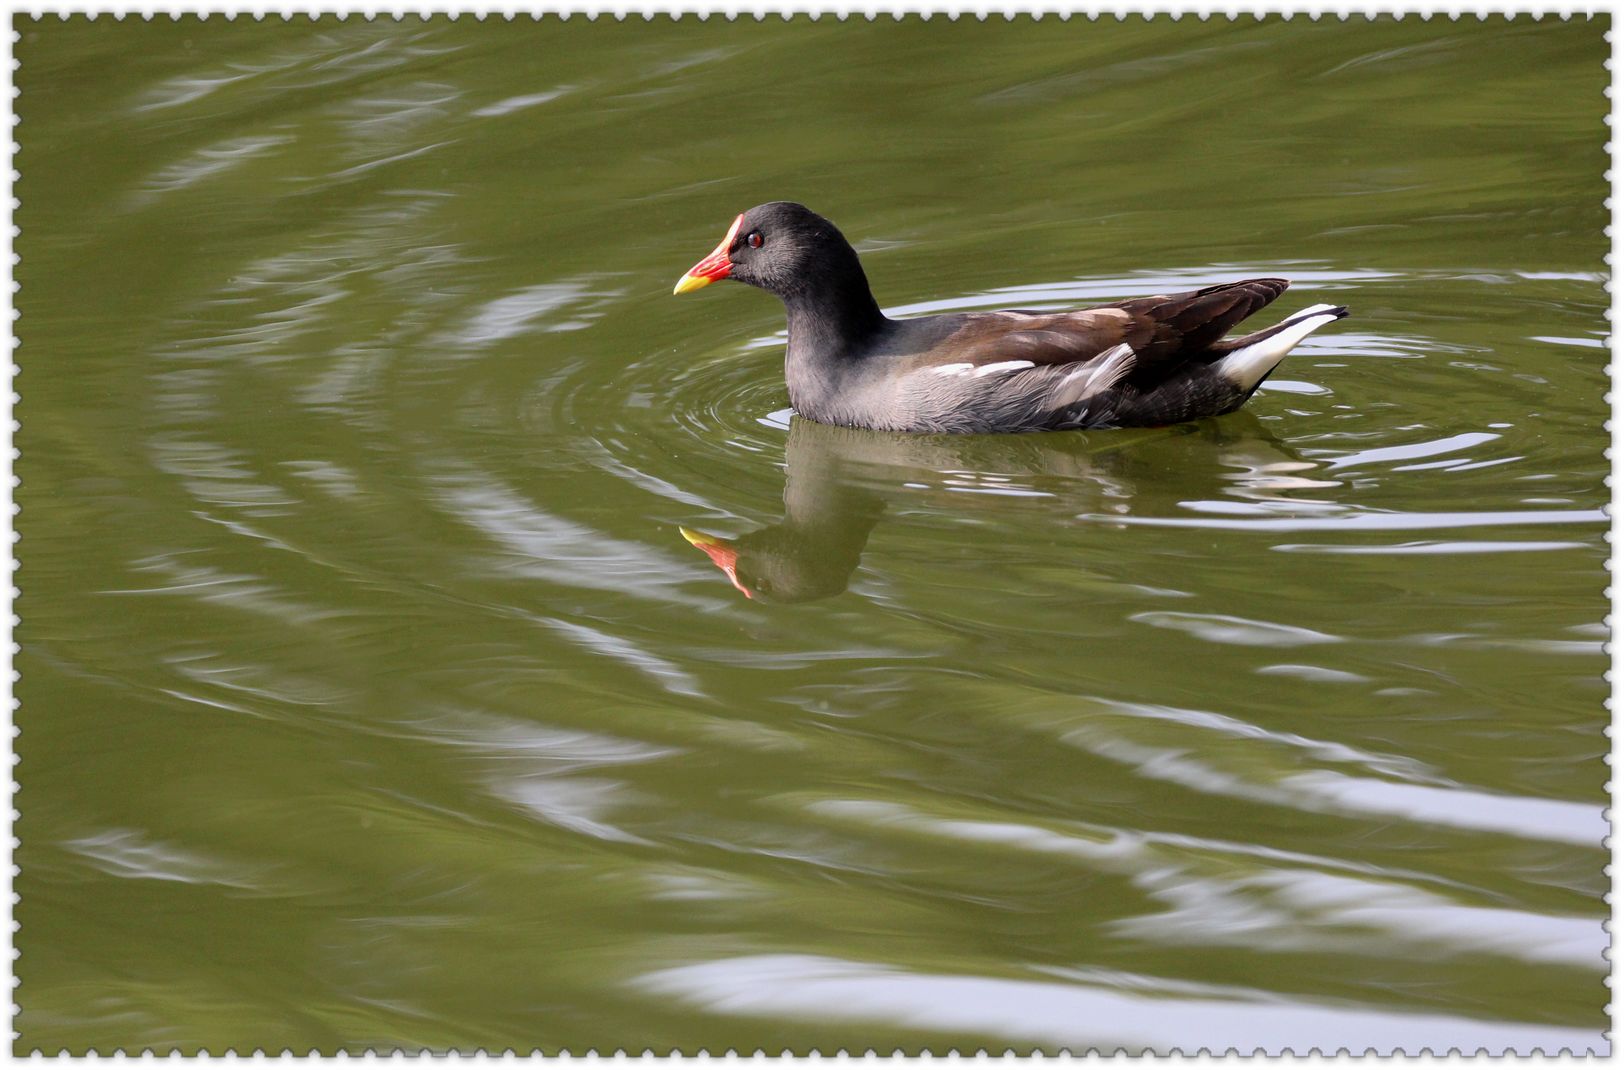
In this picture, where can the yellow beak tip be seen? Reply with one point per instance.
(689, 283)
(695, 538)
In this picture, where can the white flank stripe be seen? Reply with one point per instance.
(1117, 363)
(1247, 366)
(1104, 370)
(1002, 366)
(953, 369)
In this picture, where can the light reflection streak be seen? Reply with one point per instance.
(823, 989)
(1324, 791)
(132, 855)
(1361, 521)
(1412, 451)
(548, 547)
(534, 767)
(1273, 901)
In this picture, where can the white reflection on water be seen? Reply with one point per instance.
(526, 311)
(577, 804)
(824, 989)
(1412, 451)
(1306, 910)
(128, 853)
(1587, 343)
(243, 591)
(187, 88)
(1260, 520)
(528, 100)
(544, 546)
(1225, 893)
(206, 163)
(1236, 631)
(1541, 819)
(1324, 791)
(264, 684)
(215, 473)
(384, 161)
(533, 766)
(356, 49)
(1298, 747)
(1314, 673)
(393, 118)
(595, 641)
(1438, 546)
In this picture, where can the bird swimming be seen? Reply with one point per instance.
(1148, 361)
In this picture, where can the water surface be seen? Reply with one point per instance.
(372, 696)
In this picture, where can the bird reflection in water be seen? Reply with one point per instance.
(839, 481)
(829, 511)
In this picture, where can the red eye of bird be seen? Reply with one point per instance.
(754, 240)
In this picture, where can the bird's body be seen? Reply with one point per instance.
(1147, 361)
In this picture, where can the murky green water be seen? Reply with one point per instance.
(370, 695)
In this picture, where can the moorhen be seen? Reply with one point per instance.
(1150, 361)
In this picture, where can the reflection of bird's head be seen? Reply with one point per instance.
(723, 554)
(789, 562)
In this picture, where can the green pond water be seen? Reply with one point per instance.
(371, 696)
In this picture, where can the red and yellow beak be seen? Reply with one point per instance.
(719, 550)
(713, 267)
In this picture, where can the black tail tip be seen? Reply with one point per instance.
(1340, 312)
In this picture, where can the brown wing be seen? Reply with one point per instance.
(1040, 337)
(1163, 330)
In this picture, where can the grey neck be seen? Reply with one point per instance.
(825, 362)
(833, 323)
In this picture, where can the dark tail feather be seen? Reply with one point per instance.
(1201, 317)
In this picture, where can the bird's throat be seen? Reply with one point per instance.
(833, 323)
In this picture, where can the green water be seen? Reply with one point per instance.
(371, 696)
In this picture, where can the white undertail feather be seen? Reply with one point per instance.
(1247, 366)
(1311, 310)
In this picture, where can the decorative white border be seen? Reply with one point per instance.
(8, 454)
(1615, 455)
(762, 9)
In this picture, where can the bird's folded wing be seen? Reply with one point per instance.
(1163, 330)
